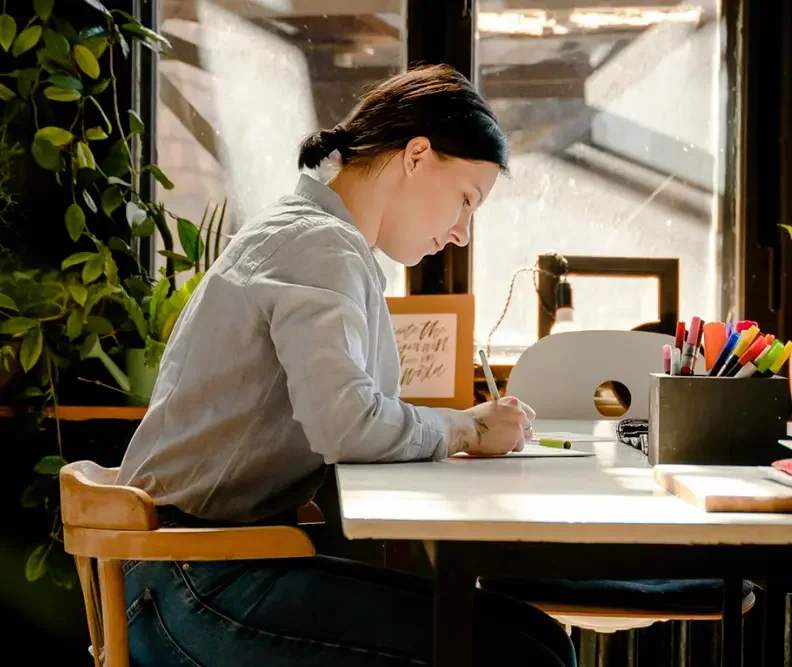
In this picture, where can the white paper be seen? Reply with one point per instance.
(427, 351)
(532, 452)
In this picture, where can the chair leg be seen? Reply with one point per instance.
(111, 584)
(92, 608)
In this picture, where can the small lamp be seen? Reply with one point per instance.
(564, 312)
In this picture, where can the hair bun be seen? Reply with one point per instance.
(320, 145)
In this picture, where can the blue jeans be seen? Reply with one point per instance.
(314, 612)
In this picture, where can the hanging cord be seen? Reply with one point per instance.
(534, 270)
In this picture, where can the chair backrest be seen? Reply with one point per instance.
(559, 375)
(90, 499)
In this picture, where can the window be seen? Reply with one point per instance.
(245, 81)
(616, 120)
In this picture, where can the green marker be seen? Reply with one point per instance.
(558, 444)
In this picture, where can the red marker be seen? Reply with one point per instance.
(691, 346)
(744, 324)
(754, 350)
(680, 336)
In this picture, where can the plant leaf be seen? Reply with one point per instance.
(110, 267)
(163, 180)
(43, 8)
(108, 125)
(6, 93)
(100, 87)
(89, 202)
(139, 30)
(8, 29)
(49, 465)
(35, 494)
(8, 303)
(63, 81)
(86, 60)
(46, 155)
(100, 7)
(157, 298)
(190, 237)
(58, 94)
(112, 198)
(90, 342)
(180, 262)
(99, 325)
(57, 136)
(26, 80)
(17, 325)
(93, 31)
(74, 325)
(36, 564)
(134, 214)
(136, 125)
(85, 157)
(26, 40)
(78, 258)
(95, 134)
(32, 392)
(79, 293)
(114, 180)
(92, 269)
(57, 45)
(75, 221)
(97, 46)
(30, 352)
(145, 228)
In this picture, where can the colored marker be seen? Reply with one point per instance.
(679, 339)
(697, 348)
(714, 339)
(667, 359)
(558, 444)
(744, 325)
(729, 329)
(749, 355)
(781, 359)
(746, 338)
(676, 361)
(767, 358)
(689, 350)
(723, 356)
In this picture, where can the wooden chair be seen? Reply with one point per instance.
(104, 524)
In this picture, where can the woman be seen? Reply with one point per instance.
(284, 361)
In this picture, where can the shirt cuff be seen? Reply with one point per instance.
(434, 429)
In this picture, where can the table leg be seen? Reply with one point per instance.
(731, 636)
(774, 625)
(455, 587)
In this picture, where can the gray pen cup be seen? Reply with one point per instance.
(704, 420)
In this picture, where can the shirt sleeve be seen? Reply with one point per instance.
(315, 294)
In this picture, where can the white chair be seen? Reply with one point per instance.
(558, 377)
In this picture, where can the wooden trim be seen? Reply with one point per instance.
(82, 412)
(114, 620)
(248, 543)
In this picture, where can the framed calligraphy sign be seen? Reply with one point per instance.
(434, 334)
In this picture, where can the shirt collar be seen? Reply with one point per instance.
(329, 200)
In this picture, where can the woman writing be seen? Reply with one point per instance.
(283, 362)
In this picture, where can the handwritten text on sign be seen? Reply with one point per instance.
(427, 350)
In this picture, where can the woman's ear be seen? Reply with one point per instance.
(416, 152)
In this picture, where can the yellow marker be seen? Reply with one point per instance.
(560, 444)
(781, 358)
(745, 341)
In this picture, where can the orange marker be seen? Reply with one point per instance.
(714, 340)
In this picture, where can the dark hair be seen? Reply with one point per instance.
(433, 101)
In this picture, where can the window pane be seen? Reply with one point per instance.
(245, 82)
(615, 119)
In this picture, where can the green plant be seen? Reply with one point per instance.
(65, 139)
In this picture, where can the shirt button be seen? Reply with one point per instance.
(186, 567)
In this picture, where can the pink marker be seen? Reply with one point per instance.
(667, 359)
(691, 345)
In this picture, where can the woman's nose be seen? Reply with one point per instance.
(460, 232)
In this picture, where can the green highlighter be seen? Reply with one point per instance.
(558, 444)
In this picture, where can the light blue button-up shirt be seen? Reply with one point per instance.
(284, 360)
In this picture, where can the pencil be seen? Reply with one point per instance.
(493, 388)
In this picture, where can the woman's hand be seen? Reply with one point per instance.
(493, 428)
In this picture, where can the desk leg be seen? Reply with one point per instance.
(774, 624)
(455, 587)
(731, 635)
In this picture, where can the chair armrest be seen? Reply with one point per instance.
(249, 543)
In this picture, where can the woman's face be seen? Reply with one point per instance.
(431, 202)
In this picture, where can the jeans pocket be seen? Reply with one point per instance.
(150, 641)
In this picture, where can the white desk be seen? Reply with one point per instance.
(587, 509)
